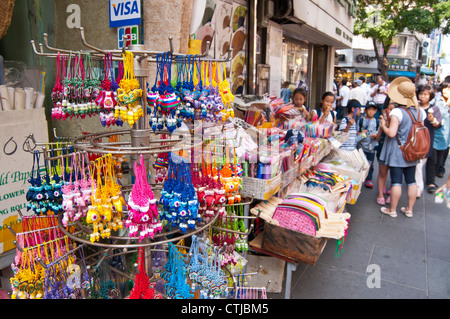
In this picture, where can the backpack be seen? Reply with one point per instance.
(364, 125)
(418, 142)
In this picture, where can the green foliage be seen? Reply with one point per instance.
(383, 20)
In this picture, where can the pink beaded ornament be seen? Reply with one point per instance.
(143, 218)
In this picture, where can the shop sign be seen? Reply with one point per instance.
(124, 13)
(360, 58)
(132, 33)
(401, 64)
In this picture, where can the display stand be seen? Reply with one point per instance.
(143, 141)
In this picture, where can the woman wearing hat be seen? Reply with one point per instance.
(403, 92)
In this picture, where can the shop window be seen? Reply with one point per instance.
(294, 61)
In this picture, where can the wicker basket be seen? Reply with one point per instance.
(6, 11)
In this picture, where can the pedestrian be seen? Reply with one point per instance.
(336, 88)
(379, 94)
(368, 127)
(402, 91)
(299, 99)
(348, 125)
(366, 86)
(286, 92)
(344, 95)
(383, 169)
(441, 137)
(370, 88)
(324, 114)
(358, 93)
(425, 96)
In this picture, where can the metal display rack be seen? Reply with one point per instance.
(142, 141)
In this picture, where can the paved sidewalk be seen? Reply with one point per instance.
(413, 254)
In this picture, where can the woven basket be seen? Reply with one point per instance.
(6, 11)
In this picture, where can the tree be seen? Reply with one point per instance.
(382, 20)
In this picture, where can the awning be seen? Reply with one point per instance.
(407, 74)
(427, 71)
(368, 70)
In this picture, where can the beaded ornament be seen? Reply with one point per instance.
(143, 217)
(129, 94)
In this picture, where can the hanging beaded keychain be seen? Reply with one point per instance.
(142, 288)
(143, 217)
(129, 93)
(106, 99)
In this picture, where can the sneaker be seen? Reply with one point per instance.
(368, 184)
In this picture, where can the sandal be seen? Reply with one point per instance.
(381, 201)
(431, 189)
(388, 200)
(388, 212)
(407, 213)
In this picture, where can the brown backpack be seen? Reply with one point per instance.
(418, 143)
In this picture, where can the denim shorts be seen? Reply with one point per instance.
(398, 172)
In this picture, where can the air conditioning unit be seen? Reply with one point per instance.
(265, 12)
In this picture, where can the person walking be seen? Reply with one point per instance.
(441, 137)
(425, 96)
(358, 93)
(344, 95)
(383, 169)
(368, 127)
(403, 92)
(379, 94)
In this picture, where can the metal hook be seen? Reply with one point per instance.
(15, 147)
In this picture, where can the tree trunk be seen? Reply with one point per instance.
(383, 63)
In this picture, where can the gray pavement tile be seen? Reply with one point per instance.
(396, 235)
(354, 257)
(438, 247)
(439, 277)
(401, 266)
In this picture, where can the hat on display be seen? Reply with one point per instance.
(403, 91)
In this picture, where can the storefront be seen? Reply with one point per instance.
(310, 35)
(354, 63)
(400, 67)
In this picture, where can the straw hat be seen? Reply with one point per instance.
(6, 11)
(403, 91)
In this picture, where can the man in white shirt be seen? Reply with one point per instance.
(358, 93)
(344, 95)
(366, 86)
(379, 94)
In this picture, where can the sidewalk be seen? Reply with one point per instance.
(413, 254)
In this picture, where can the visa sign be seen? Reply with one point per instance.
(131, 32)
(124, 13)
